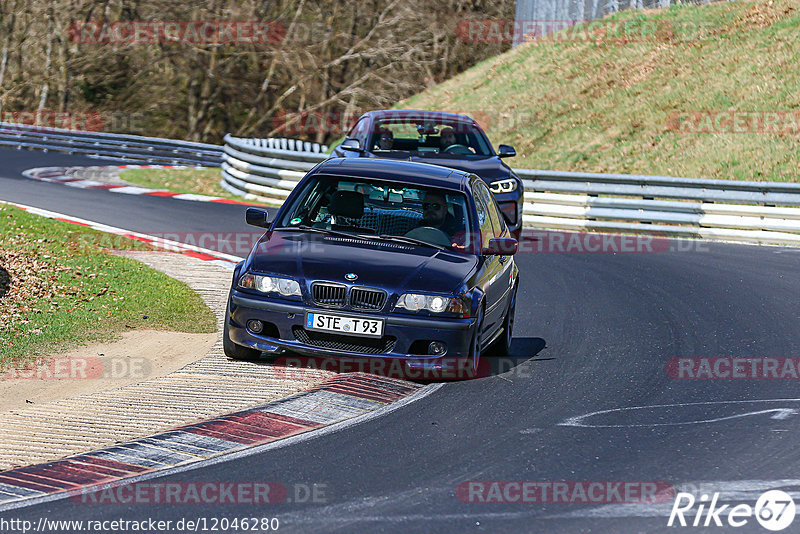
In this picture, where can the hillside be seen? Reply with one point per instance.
(708, 91)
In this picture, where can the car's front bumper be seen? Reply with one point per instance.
(282, 321)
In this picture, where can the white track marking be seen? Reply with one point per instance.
(780, 414)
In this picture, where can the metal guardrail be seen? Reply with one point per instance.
(754, 212)
(267, 169)
(728, 210)
(118, 146)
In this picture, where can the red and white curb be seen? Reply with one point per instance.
(334, 401)
(228, 261)
(61, 175)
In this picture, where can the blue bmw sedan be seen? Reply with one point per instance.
(378, 259)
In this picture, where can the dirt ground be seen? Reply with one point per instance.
(140, 355)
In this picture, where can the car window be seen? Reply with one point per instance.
(498, 224)
(373, 207)
(359, 131)
(429, 138)
(484, 219)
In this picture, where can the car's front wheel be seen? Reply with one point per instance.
(231, 349)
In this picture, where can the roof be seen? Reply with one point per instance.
(408, 172)
(418, 114)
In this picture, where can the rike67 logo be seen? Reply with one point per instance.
(774, 510)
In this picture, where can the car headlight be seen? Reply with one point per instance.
(432, 303)
(503, 186)
(270, 284)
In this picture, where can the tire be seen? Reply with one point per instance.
(502, 346)
(475, 347)
(231, 349)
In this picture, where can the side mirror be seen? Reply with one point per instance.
(506, 151)
(352, 144)
(257, 217)
(501, 246)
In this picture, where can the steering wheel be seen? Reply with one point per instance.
(458, 149)
(431, 235)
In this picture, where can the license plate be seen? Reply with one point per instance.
(354, 326)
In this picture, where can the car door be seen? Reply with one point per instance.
(505, 281)
(492, 267)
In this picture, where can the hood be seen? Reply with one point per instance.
(490, 168)
(394, 267)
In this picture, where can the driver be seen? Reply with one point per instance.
(385, 139)
(447, 139)
(435, 214)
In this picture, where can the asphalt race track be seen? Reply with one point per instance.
(152, 215)
(594, 332)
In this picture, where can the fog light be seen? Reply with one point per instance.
(255, 326)
(436, 348)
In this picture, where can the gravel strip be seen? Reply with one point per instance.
(208, 387)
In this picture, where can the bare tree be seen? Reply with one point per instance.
(327, 57)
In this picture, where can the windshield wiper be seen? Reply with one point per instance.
(326, 231)
(411, 240)
(306, 228)
(399, 238)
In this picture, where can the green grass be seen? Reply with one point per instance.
(66, 289)
(198, 181)
(605, 105)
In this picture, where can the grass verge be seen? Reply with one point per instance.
(605, 98)
(65, 289)
(197, 181)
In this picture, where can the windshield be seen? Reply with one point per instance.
(429, 138)
(382, 210)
